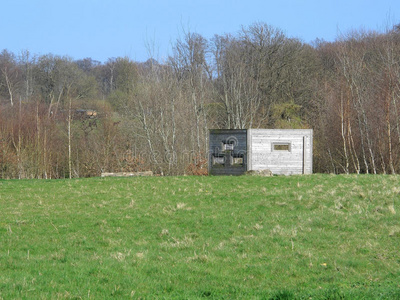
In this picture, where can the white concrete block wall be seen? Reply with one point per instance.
(293, 156)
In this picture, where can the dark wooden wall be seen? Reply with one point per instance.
(227, 152)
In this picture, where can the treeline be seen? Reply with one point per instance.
(64, 118)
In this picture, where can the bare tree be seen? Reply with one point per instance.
(352, 57)
(190, 65)
(10, 78)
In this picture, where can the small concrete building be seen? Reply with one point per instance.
(282, 151)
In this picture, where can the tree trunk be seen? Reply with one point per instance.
(69, 139)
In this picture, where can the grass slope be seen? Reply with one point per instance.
(319, 237)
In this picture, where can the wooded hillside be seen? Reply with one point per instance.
(64, 118)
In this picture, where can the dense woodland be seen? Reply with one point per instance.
(65, 118)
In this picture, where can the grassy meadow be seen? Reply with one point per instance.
(296, 237)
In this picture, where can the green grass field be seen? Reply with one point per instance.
(297, 237)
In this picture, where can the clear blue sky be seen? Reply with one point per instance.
(103, 29)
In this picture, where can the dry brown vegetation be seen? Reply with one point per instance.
(156, 115)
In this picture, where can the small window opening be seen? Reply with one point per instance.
(218, 160)
(228, 146)
(238, 160)
(281, 147)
